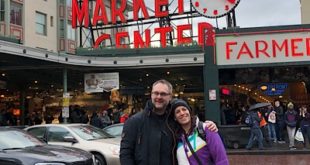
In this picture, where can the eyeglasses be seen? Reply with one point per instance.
(163, 94)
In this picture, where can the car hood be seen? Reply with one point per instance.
(49, 153)
(115, 141)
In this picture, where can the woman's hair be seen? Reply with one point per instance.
(179, 102)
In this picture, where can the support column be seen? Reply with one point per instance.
(22, 107)
(211, 75)
(65, 90)
(211, 86)
(7, 18)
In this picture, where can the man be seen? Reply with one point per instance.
(256, 133)
(148, 137)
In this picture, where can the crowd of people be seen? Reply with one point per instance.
(110, 114)
(275, 122)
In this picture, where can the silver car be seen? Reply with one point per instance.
(102, 145)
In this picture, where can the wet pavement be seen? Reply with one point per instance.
(274, 154)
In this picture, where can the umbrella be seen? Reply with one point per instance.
(259, 105)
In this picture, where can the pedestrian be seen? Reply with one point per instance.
(290, 118)
(148, 137)
(106, 121)
(195, 146)
(96, 121)
(271, 124)
(280, 124)
(256, 133)
(305, 128)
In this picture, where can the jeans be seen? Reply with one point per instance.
(280, 125)
(256, 134)
(272, 131)
(291, 135)
(306, 134)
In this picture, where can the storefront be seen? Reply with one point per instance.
(262, 65)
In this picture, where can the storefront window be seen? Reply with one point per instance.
(2, 10)
(41, 23)
(16, 13)
(241, 88)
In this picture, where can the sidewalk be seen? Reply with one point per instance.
(272, 148)
(277, 154)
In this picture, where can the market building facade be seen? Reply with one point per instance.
(261, 64)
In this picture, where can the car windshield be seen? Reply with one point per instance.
(114, 130)
(88, 132)
(13, 139)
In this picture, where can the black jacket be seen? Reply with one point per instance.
(148, 139)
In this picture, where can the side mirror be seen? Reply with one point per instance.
(70, 139)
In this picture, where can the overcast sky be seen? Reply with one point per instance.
(253, 13)
(249, 13)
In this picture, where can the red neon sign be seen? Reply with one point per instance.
(80, 16)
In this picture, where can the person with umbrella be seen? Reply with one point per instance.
(256, 133)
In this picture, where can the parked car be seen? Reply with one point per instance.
(102, 145)
(17, 127)
(17, 147)
(235, 136)
(115, 129)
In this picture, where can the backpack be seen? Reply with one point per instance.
(201, 131)
(248, 120)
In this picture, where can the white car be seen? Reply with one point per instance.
(102, 145)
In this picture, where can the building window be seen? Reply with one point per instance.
(70, 32)
(2, 10)
(52, 21)
(62, 2)
(40, 23)
(16, 13)
(62, 28)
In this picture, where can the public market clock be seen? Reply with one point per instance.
(214, 8)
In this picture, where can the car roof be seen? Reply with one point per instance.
(9, 129)
(61, 124)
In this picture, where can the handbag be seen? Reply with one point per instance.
(298, 136)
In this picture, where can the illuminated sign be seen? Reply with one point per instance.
(117, 8)
(225, 91)
(273, 89)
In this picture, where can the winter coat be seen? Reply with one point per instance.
(279, 113)
(95, 121)
(209, 152)
(291, 118)
(256, 119)
(147, 139)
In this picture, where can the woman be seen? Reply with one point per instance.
(208, 151)
(305, 128)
